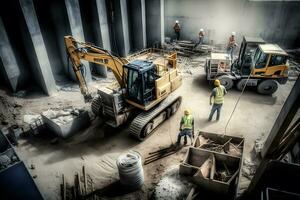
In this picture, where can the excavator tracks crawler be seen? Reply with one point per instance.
(96, 106)
(144, 124)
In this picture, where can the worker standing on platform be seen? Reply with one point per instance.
(186, 127)
(231, 45)
(218, 93)
(201, 37)
(177, 29)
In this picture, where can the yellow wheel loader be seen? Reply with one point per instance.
(261, 65)
(143, 93)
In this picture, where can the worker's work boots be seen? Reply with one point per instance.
(185, 140)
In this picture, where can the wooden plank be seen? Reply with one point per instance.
(84, 180)
(191, 193)
(286, 115)
(283, 120)
(63, 188)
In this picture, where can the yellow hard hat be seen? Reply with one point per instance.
(186, 112)
(217, 83)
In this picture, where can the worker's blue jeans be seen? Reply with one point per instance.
(200, 42)
(230, 51)
(184, 132)
(215, 107)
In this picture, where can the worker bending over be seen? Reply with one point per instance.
(231, 45)
(201, 37)
(186, 127)
(177, 29)
(218, 93)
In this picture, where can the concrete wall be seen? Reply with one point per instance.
(274, 21)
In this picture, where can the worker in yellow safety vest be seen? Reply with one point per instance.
(217, 94)
(186, 127)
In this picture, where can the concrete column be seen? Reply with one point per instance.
(74, 16)
(8, 58)
(137, 19)
(153, 22)
(162, 21)
(39, 58)
(143, 10)
(104, 29)
(125, 28)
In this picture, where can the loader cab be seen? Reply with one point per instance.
(141, 76)
(248, 48)
(271, 61)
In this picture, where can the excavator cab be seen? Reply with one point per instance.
(141, 76)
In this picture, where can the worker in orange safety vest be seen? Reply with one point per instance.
(177, 29)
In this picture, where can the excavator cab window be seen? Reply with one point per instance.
(141, 81)
(134, 85)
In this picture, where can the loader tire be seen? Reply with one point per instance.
(240, 85)
(226, 81)
(267, 87)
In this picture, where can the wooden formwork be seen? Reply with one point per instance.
(197, 155)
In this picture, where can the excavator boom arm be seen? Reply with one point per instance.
(78, 51)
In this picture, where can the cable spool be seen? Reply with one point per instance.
(130, 170)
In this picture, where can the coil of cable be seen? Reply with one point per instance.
(130, 169)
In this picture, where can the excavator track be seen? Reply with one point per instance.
(96, 105)
(143, 125)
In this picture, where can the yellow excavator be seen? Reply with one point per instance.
(143, 92)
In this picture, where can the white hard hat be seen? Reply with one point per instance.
(201, 29)
(177, 21)
(233, 33)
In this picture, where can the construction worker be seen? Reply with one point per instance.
(231, 45)
(186, 127)
(177, 29)
(201, 37)
(218, 93)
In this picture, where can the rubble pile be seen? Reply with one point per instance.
(188, 48)
(172, 185)
(6, 161)
(63, 116)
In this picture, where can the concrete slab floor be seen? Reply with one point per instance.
(254, 116)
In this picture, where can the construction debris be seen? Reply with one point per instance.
(82, 187)
(66, 122)
(162, 153)
(187, 48)
(227, 147)
(62, 116)
(31, 119)
(172, 185)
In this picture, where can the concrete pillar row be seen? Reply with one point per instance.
(74, 16)
(38, 57)
(8, 58)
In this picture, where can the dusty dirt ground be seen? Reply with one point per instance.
(254, 116)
